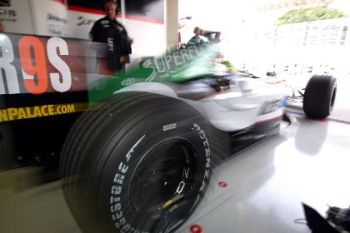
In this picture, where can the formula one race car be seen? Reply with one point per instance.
(139, 159)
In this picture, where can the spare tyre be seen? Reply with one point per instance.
(319, 96)
(138, 163)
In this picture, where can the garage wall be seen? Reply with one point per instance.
(82, 15)
(147, 25)
(50, 17)
(41, 17)
(16, 17)
(172, 15)
(147, 29)
(149, 38)
(80, 23)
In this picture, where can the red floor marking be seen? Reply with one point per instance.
(195, 228)
(222, 184)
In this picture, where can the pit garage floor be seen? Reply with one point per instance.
(266, 184)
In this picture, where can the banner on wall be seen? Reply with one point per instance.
(15, 16)
(145, 10)
(143, 19)
(82, 15)
(50, 17)
(43, 64)
(91, 6)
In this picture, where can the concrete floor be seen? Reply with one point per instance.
(307, 162)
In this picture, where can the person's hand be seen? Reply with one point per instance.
(131, 40)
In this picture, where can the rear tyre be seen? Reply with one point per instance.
(319, 96)
(139, 163)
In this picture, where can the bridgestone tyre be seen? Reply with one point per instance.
(319, 97)
(138, 163)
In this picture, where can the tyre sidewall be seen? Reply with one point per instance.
(122, 153)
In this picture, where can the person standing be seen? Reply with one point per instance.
(108, 30)
(196, 39)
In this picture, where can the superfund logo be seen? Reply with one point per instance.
(34, 65)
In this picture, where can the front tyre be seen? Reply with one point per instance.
(319, 96)
(141, 164)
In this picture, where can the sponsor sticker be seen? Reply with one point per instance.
(12, 114)
(169, 127)
(268, 107)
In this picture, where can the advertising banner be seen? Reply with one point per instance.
(37, 65)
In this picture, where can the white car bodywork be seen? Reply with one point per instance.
(234, 109)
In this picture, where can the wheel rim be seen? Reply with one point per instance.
(163, 178)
